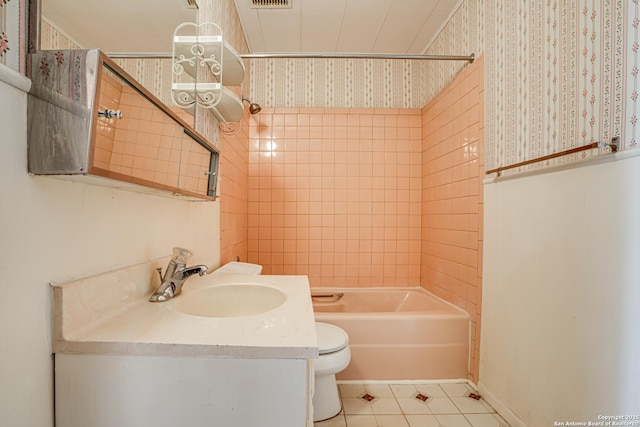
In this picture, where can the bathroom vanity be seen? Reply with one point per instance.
(122, 360)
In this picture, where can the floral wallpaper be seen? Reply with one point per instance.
(370, 83)
(463, 34)
(4, 40)
(350, 83)
(560, 74)
(556, 78)
(630, 81)
(153, 74)
(52, 38)
(12, 33)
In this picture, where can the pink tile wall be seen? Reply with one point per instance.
(147, 142)
(335, 194)
(233, 190)
(145, 145)
(108, 98)
(195, 160)
(369, 197)
(453, 170)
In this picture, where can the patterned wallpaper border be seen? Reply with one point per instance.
(338, 83)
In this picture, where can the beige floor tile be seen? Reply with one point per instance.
(431, 390)
(453, 420)
(468, 405)
(379, 390)
(395, 405)
(422, 421)
(391, 421)
(386, 405)
(486, 420)
(442, 405)
(361, 421)
(410, 405)
(356, 406)
(403, 390)
(456, 389)
(351, 390)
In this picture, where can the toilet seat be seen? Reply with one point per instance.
(331, 338)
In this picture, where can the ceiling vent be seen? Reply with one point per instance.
(271, 4)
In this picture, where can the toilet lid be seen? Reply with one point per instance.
(330, 338)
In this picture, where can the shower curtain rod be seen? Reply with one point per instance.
(469, 58)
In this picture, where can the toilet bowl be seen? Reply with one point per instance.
(333, 349)
(333, 346)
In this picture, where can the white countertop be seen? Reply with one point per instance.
(111, 314)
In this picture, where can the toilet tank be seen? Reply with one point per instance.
(236, 267)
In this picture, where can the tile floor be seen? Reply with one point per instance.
(413, 405)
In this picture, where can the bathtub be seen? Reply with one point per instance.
(397, 333)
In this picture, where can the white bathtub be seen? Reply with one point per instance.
(397, 333)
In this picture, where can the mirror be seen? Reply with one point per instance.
(136, 141)
(133, 140)
(88, 117)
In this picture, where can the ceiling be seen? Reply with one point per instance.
(345, 26)
(120, 26)
(335, 26)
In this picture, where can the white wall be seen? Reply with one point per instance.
(561, 294)
(51, 230)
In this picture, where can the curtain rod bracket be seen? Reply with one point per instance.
(614, 144)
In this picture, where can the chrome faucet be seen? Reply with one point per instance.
(175, 275)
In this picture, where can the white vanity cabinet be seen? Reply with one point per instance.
(123, 361)
(135, 391)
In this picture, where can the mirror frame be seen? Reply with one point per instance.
(33, 19)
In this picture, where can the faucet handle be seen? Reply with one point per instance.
(181, 255)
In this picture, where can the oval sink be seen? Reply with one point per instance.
(230, 300)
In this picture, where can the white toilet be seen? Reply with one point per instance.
(333, 346)
(237, 267)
